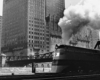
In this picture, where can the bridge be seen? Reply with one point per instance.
(25, 60)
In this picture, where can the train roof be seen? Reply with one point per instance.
(78, 49)
(64, 46)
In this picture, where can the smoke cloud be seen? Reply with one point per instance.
(85, 13)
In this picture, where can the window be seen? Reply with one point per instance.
(29, 36)
(36, 65)
(31, 50)
(42, 65)
(48, 65)
(32, 36)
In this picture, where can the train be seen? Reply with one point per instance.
(76, 60)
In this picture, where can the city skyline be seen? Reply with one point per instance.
(67, 4)
(25, 26)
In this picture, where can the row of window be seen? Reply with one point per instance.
(37, 22)
(31, 28)
(31, 36)
(31, 45)
(30, 32)
(42, 65)
(36, 33)
(39, 46)
(37, 26)
(38, 19)
(39, 42)
(12, 43)
(31, 41)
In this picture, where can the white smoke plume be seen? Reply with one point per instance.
(86, 12)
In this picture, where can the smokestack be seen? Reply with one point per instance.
(85, 13)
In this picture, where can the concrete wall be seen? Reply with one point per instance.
(43, 67)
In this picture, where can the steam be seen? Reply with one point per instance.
(85, 13)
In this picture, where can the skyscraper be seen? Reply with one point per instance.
(54, 9)
(0, 31)
(0, 39)
(25, 26)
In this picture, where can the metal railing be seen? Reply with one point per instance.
(40, 56)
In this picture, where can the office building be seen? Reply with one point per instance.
(26, 27)
(0, 31)
(55, 9)
(0, 39)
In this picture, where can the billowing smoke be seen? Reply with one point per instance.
(86, 12)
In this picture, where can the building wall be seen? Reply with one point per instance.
(0, 39)
(43, 67)
(25, 26)
(38, 11)
(36, 25)
(54, 9)
(0, 31)
(86, 38)
(14, 30)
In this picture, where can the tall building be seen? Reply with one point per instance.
(0, 39)
(26, 25)
(54, 9)
(0, 31)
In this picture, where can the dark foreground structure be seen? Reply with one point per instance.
(71, 63)
(50, 76)
(76, 60)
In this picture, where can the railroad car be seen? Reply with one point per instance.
(71, 59)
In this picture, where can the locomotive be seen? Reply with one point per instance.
(71, 59)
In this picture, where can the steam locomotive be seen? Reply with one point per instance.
(70, 59)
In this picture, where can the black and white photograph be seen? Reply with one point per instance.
(49, 39)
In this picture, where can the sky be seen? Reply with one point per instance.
(1, 3)
(67, 3)
(71, 2)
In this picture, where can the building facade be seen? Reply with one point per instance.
(86, 38)
(0, 39)
(0, 31)
(14, 27)
(54, 9)
(27, 27)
